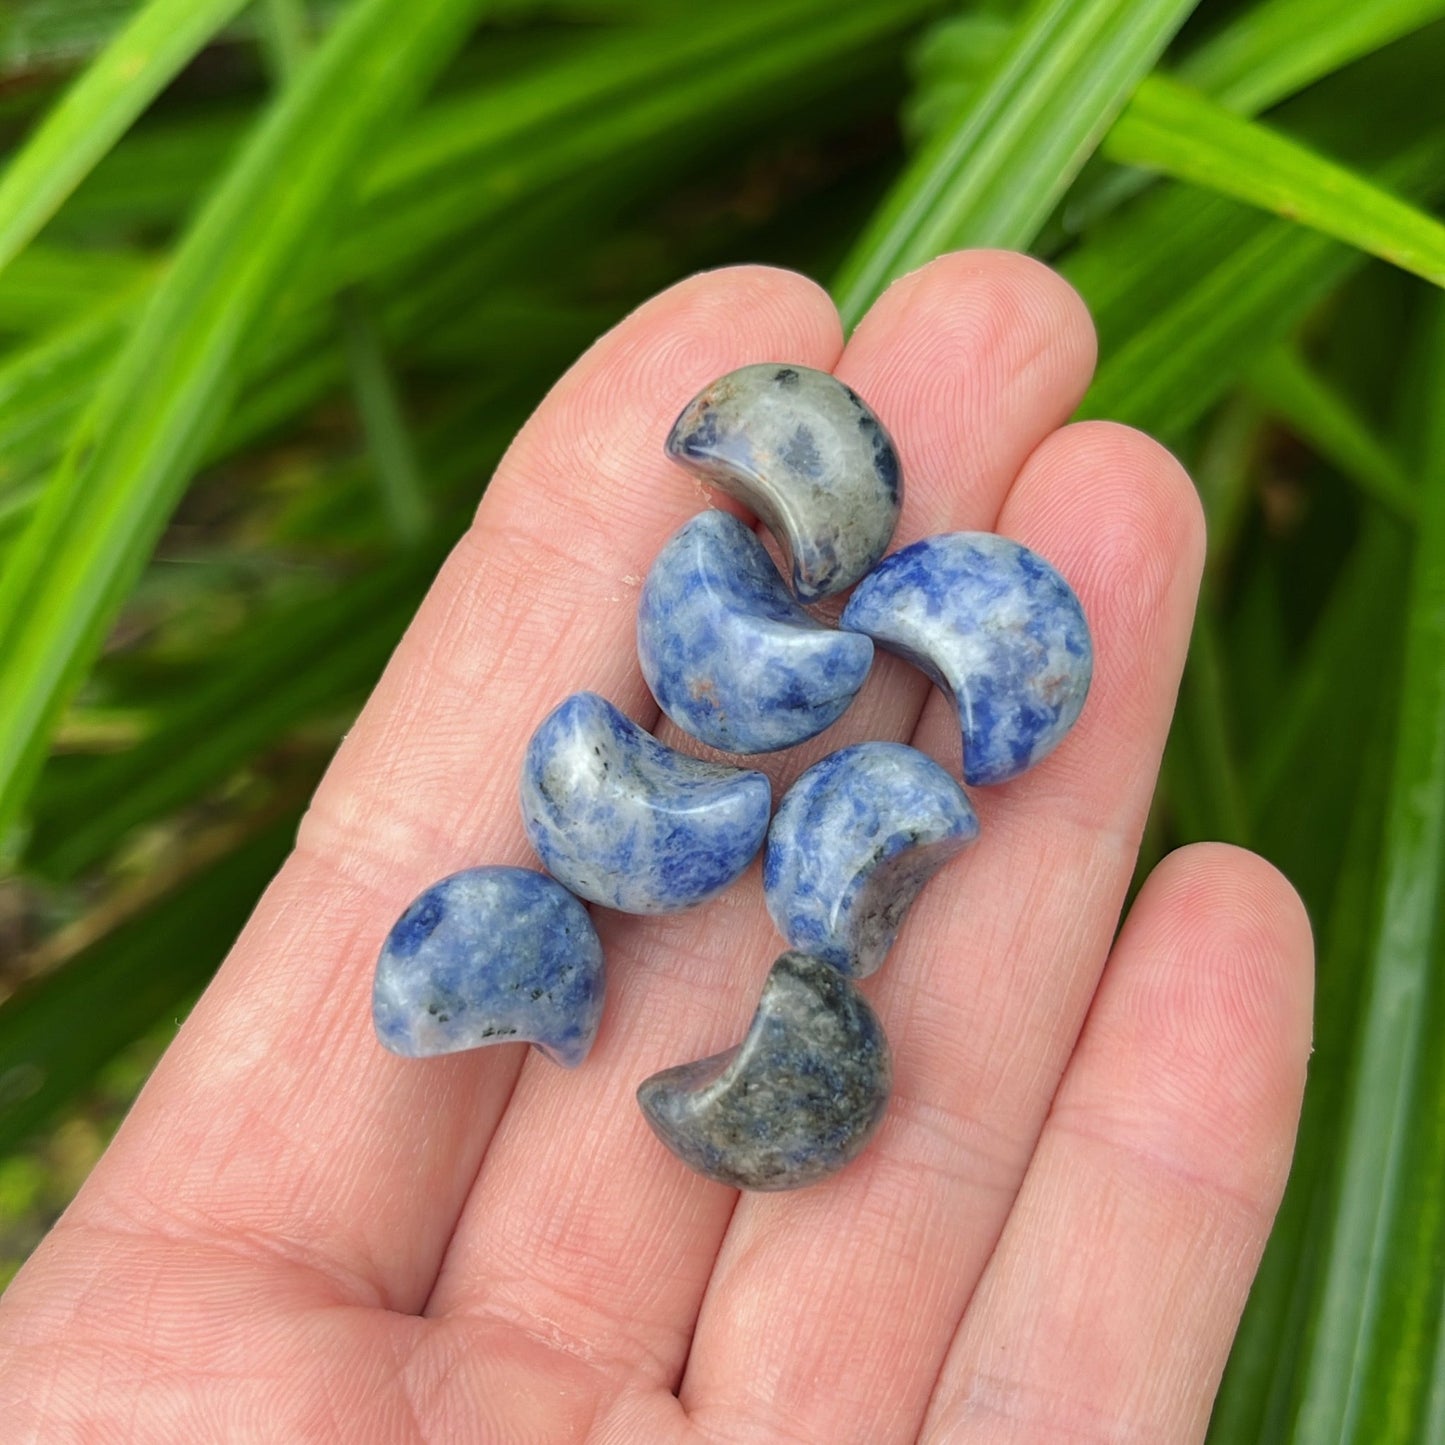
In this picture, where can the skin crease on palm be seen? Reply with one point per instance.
(296, 1236)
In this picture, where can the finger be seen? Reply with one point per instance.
(277, 1116)
(580, 1219)
(982, 996)
(1109, 1307)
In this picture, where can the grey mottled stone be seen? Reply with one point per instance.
(795, 1101)
(804, 453)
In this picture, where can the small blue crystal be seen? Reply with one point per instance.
(490, 956)
(853, 843)
(728, 654)
(795, 1101)
(997, 629)
(627, 822)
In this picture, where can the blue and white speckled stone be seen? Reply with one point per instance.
(853, 843)
(490, 956)
(728, 654)
(997, 629)
(795, 1101)
(630, 823)
(804, 453)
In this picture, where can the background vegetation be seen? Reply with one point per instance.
(278, 282)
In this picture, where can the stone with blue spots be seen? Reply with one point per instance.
(994, 626)
(853, 843)
(628, 822)
(491, 956)
(806, 455)
(795, 1101)
(729, 655)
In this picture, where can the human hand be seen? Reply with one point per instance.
(297, 1236)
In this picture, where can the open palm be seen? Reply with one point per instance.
(297, 1236)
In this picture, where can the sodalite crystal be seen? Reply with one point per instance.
(997, 629)
(728, 654)
(853, 843)
(795, 1101)
(490, 956)
(805, 454)
(630, 823)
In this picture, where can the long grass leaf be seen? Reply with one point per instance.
(47, 286)
(562, 131)
(117, 86)
(378, 400)
(1371, 1351)
(1291, 390)
(1175, 131)
(1254, 1398)
(1170, 351)
(1275, 49)
(1201, 770)
(58, 1032)
(992, 177)
(164, 395)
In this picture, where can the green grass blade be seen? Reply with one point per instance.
(1277, 48)
(994, 175)
(1262, 56)
(1171, 350)
(58, 1032)
(648, 103)
(1371, 1352)
(47, 286)
(1254, 1397)
(398, 474)
(1165, 364)
(378, 401)
(1265, 54)
(118, 85)
(107, 504)
(1292, 391)
(1175, 131)
(1201, 772)
(300, 660)
(560, 130)
(1318, 728)
(153, 177)
(285, 35)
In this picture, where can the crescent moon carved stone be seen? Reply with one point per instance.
(853, 843)
(806, 455)
(628, 822)
(490, 956)
(729, 655)
(795, 1101)
(997, 629)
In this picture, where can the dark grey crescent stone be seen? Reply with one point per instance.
(795, 1101)
(807, 456)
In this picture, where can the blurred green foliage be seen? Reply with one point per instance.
(264, 332)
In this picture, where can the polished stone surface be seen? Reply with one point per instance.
(490, 956)
(853, 843)
(806, 455)
(795, 1101)
(729, 655)
(628, 822)
(996, 628)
